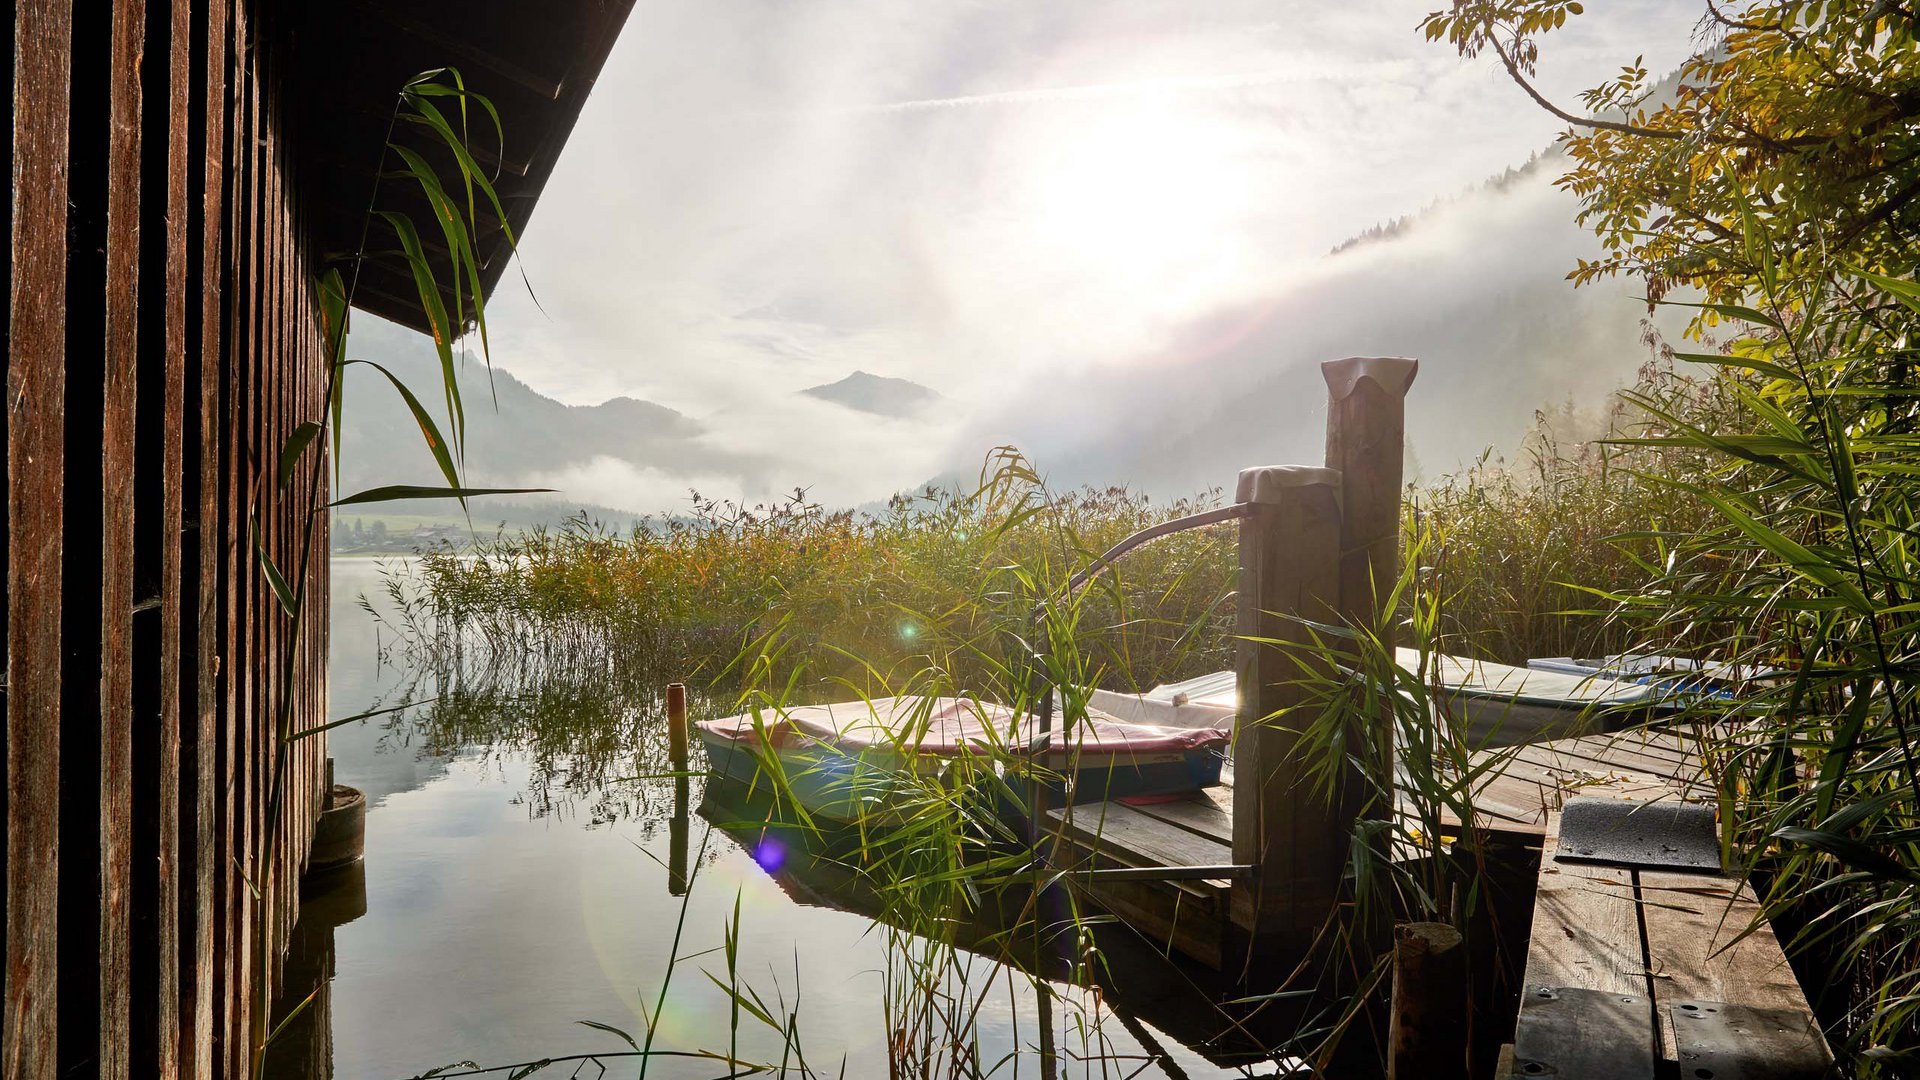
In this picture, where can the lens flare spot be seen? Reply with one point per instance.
(908, 631)
(770, 854)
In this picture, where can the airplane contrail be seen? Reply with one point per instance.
(1301, 73)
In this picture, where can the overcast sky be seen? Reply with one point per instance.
(986, 197)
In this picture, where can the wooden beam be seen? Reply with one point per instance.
(1366, 444)
(1289, 570)
(1586, 937)
(1707, 940)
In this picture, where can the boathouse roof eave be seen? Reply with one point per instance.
(537, 63)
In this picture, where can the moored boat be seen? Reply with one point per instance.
(1680, 678)
(850, 761)
(1500, 704)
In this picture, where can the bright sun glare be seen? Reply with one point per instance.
(1140, 199)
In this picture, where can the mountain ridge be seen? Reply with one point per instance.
(878, 394)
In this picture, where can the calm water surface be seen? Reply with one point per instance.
(513, 885)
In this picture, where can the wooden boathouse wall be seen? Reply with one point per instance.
(161, 344)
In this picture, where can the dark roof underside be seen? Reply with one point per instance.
(535, 59)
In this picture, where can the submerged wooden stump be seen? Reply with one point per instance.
(1427, 1033)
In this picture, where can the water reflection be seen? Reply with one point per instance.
(1136, 983)
(303, 1018)
(531, 863)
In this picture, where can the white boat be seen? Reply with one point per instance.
(1499, 703)
(1681, 676)
(851, 761)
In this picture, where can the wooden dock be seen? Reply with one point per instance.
(1639, 971)
(1515, 803)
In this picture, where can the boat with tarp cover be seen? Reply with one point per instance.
(848, 761)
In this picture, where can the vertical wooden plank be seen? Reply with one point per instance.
(115, 550)
(1289, 566)
(247, 379)
(201, 564)
(8, 26)
(153, 986)
(173, 460)
(273, 527)
(236, 655)
(36, 436)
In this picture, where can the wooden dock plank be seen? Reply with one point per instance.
(1189, 916)
(1696, 951)
(1586, 927)
(1559, 777)
(1598, 754)
(1673, 741)
(1208, 813)
(1585, 1007)
(1516, 801)
(1126, 835)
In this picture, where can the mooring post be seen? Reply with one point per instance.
(677, 726)
(1289, 570)
(677, 825)
(1366, 443)
(1427, 1025)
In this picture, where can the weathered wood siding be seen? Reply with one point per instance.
(162, 341)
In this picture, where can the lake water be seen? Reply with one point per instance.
(516, 883)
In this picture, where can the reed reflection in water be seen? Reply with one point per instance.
(519, 878)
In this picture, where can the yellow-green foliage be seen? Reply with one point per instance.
(1520, 546)
(951, 576)
(856, 596)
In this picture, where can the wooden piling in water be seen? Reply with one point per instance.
(677, 826)
(1427, 1029)
(1320, 545)
(1289, 570)
(677, 725)
(1366, 444)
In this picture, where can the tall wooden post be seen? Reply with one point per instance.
(1289, 566)
(1366, 443)
(677, 726)
(1428, 1022)
(677, 882)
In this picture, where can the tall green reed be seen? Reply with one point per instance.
(1807, 572)
(417, 107)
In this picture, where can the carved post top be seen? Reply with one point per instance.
(1394, 374)
(1267, 483)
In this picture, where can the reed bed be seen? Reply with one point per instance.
(1520, 550)
(854, 595)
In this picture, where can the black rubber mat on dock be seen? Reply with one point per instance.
(1667, 833)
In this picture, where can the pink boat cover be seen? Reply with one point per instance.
(948, 727)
